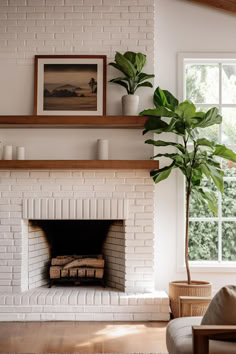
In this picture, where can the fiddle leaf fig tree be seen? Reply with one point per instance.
(131, 65)
(197, 158)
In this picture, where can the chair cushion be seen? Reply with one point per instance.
(179, 338)
(179, 334)
(222, 309)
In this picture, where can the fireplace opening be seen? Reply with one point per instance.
(74, 237)
(79, 251)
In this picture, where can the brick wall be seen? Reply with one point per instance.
(38, 257)
(114, 253)
(134, 186)
(30, 27)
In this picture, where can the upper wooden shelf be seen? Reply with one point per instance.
(79, 164)
(104, 122)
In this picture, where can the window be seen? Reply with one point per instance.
(210, 81)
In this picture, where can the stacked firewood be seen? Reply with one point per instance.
(77, 267)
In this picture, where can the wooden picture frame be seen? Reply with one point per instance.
(73, 85)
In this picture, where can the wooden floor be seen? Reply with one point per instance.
(82, 337)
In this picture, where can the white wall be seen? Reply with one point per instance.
(183, 26)
(37, 27)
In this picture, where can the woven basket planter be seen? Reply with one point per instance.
(181, 288)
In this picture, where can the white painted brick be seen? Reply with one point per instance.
(55, 15)
(83, 9)
(93, 2)
(111, 16)
(36, 2)
(43, 36)
(112, 2)
(128, 2)
(35, 16)
(41, 23)
(63, 9)
(129, 15)
(73, 2)
(8, 9)
(55, 2)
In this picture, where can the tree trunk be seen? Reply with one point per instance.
(187, 235)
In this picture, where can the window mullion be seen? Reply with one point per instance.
(219, 194)
(219, 227)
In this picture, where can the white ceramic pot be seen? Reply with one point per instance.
(102, 149)
(130, 105)
(7, 152)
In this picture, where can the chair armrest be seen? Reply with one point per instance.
(202, 334)
(192, 300)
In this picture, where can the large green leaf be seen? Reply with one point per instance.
(211, 117)
(217, 177)
(170, 156)
(215, 174)
(141, 61)
(180, 128)
(162, 173)
(131, 56)
(156, 125)
(212, 162)
(205, 142)
(158, 112)
(122, 83)
(196, 176)
(120, 79)
(172, 100)
(145, 84)
(164, 98)
(127, 66)
(186, 110)
(205, 169)
(159, 98)
(209, 197)
(142, 77)
(225, 153)
(118, 67)
(160, 143)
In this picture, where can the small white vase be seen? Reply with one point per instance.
(130, 105)
(7, 152)
(102, 149)
(20, 153)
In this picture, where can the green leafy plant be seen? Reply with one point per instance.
(131, 65)
(197, 158)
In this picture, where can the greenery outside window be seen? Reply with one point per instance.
(208, 82)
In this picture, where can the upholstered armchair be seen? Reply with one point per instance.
(198, 335)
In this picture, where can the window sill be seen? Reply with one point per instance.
(209, 267)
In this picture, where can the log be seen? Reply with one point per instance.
(63, 260)
(85, 262)
(57, 272)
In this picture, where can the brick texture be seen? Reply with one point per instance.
(130, 243)
(30, 27)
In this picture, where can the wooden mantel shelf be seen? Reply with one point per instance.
(79, 164)
(104, 122)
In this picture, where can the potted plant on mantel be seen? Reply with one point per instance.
(196, 158)
(131, 65)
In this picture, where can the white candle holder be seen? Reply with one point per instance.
(20, 153)
(102, 149)
(7, 152)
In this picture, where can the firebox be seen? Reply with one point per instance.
(77, 251)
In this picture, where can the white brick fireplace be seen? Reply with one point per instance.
(69, 195)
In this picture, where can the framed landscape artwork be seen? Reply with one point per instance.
(72, 85)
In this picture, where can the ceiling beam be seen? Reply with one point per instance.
(226, 5)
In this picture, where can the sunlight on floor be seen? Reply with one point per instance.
(111, 332)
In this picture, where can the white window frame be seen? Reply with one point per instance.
(196, 266)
